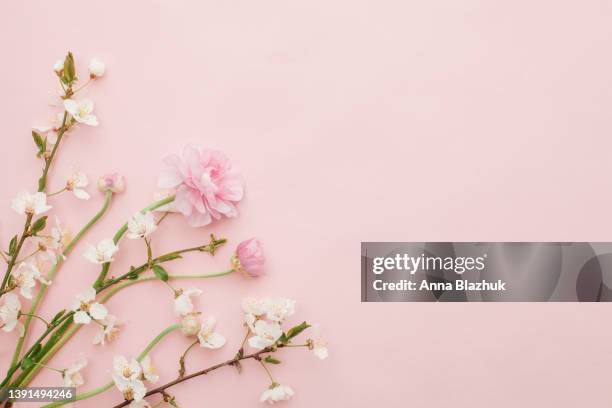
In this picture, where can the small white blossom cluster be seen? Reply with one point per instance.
(129, 377)
(86, 309)
(191, 324)
(264, 318)
(75, 110)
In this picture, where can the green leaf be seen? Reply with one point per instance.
(39, 225)
(40, 143)
(271, 360)
(27, 363)
(160, 273)
(35, 351)
(58, 316)
(294, 331)
(13, 246)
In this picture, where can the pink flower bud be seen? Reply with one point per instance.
(249, 258)
(111, 182)
(191, 325)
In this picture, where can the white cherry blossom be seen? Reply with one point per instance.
(81, 111)
(101, 253)
(30, 204)
(149, 371)
(26, 276)
(131, 389)
(266, 334)
(182, 303)
(141, 225)
(276, 393)
(107, 330)
(280, 308)
(86, 307)
(72, 375)
(9, 314)
(126, 369)
(317, 344)
(61, 236)
(76, 183)
(208, 337)
(255, 306)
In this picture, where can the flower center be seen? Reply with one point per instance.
(128, 394)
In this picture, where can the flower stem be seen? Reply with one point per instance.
(121, 231)
(49, 368)
(57, 192)
(42, 183)
(267, 370)
(183, 357)
(117, 288)
(67, 335)
(36, 317)
(109, 385)
(52, 272)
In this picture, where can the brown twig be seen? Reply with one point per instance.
(162, 389)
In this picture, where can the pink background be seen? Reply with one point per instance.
(351, 121)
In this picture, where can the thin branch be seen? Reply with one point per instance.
(232, 362)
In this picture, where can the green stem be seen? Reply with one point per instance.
(52, 272)
(121, 231)
(75, 327)
(125, 284)
(42, 185)
(109, 385)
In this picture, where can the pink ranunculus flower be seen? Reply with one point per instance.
(205, 185)
(249, 258)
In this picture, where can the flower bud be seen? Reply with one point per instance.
(58, 67)
(96, 68)
(191, 325)
(111, 182)
(249, 258)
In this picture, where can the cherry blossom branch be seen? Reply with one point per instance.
(105, 267)
(42, 184)
(107, 386)
(25, 378)
(53, 271)
(15, 254)
(232, 362)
